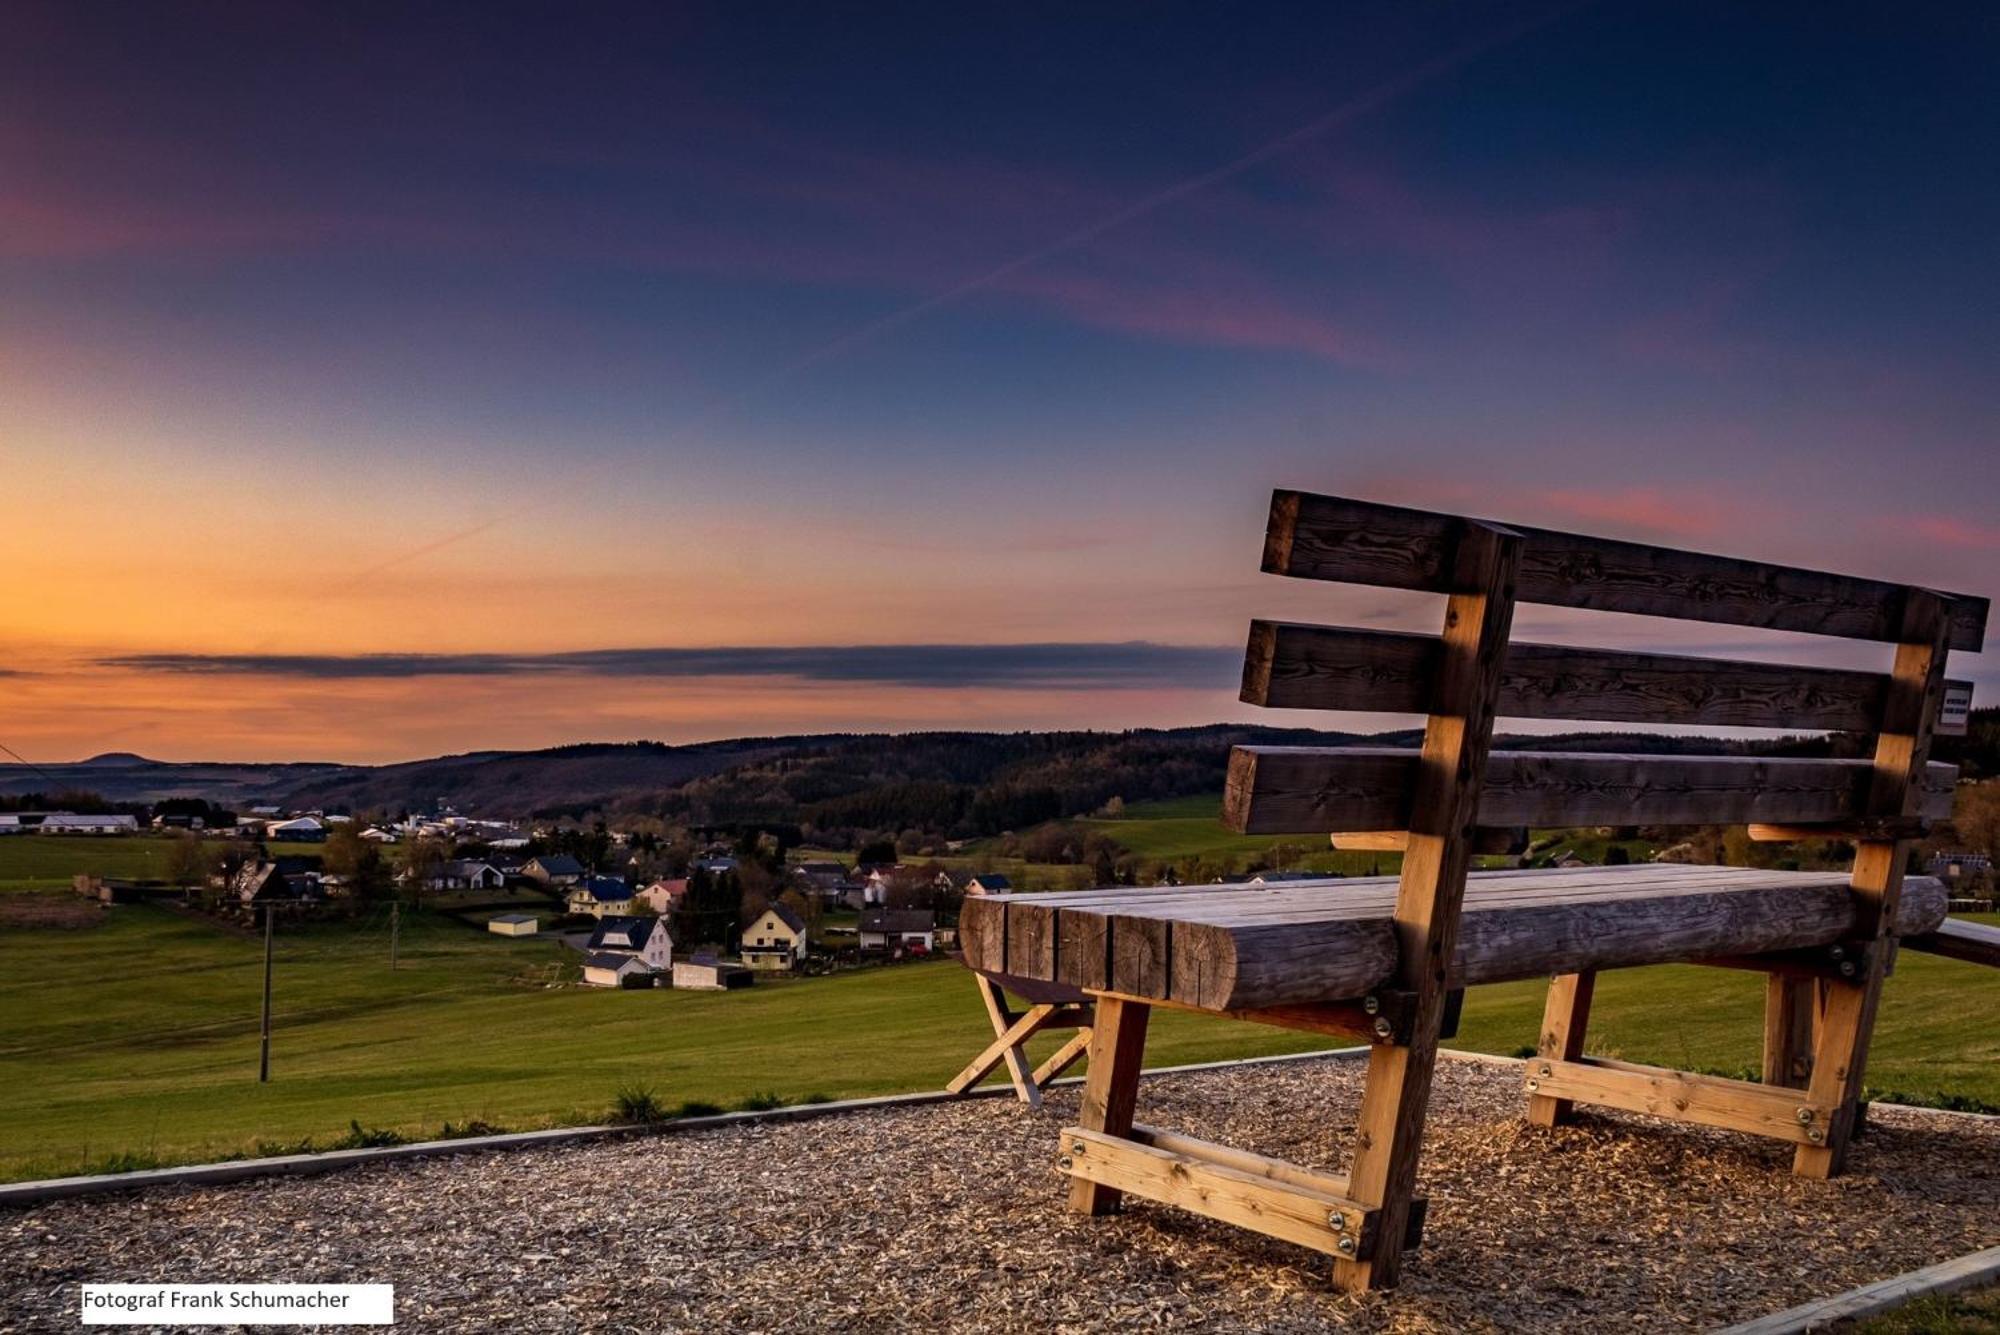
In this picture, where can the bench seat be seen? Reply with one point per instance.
(1251, 946)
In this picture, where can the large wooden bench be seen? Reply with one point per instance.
(1384, 958)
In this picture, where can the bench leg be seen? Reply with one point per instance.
(1838, 1065)
(1565, 1018)
(1111, 1090)
(1010, 1033)
(1791, 1012)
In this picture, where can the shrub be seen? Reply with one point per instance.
(636, 1104)
(761, 1103)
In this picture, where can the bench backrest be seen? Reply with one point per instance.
(1334, 790)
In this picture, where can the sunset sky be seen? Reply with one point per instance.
(944, 357)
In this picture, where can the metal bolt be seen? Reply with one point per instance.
(1847, 969)
(1383, 1029)
(1534, 1085)
(1836, 952)
(1547, 1070)
(1063, 1163)
(1345, 1246)
(1076, 1147)
(1815, 1135)
(1805, 1116)
(1372, 1004)
(1336, 1221)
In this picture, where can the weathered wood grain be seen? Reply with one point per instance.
(1244, 948)
(1737, 1105)
(1360, 542)
(1973, 942)
(1895, 791)
(1291, 666)
(1316, 790)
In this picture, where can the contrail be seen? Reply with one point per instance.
(1352, 110)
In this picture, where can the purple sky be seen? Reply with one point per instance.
(523, 332)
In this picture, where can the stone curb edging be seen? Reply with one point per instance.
(1964, 1272)
(329, 1161)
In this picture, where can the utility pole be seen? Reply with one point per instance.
(395, 930)
(264, 1029)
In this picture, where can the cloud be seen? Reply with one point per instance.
(1021, 666)
(1954, 532)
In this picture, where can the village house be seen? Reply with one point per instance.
(465, 874)
(776, 940)
(260, 884)
(554, 870)
(68, 822)
(898, 931)
(991, 883)
(647, 938)
(514, 924)
(615, 969)
(714, 866)
(304, 830)
(375, 834)
(663, 897)
(705, 973)
(600, 896)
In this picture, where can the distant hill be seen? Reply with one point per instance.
(957, 782)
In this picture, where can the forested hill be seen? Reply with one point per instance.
(957, 784)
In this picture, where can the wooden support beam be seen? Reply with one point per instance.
(1791, 1006)
(1565, 1019)
(1111, 1090)
(1735, 1105)
(1064, 1057)
(1264, 1195)
(1902, 757)
(1431, 891)
(1006, 1046)
(1851, 831)
(1492, 840)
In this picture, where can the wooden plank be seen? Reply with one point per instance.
(1318, 790)
(1110, 1089)
(1902, 756)
(1707, 1100)
(1261, 1203)
(1031, 944)
(1360, 542)
(1232, 951)
(1010, 1051)
(1973, 942)
(1064, 1057)
(1445, 804)
(1292, 666)
(1565, 1020)
(982, 934)
(1790, 1008)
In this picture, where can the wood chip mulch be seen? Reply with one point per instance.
(950, 1217)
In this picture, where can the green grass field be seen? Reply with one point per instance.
(29, 861)
(135, 1040)
(138, 1037)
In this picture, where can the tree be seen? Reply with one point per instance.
(189, 861)
(423, 857)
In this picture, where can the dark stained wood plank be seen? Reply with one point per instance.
(1973, 942)
(1313, 790)
(1360, 542)
(1141, 956)
(1291, 666)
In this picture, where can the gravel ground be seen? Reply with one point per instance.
(950, 1217)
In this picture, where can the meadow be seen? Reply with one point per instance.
(133, 1040)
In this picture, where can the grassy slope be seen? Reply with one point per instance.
(31, 860)
(140, 1036)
